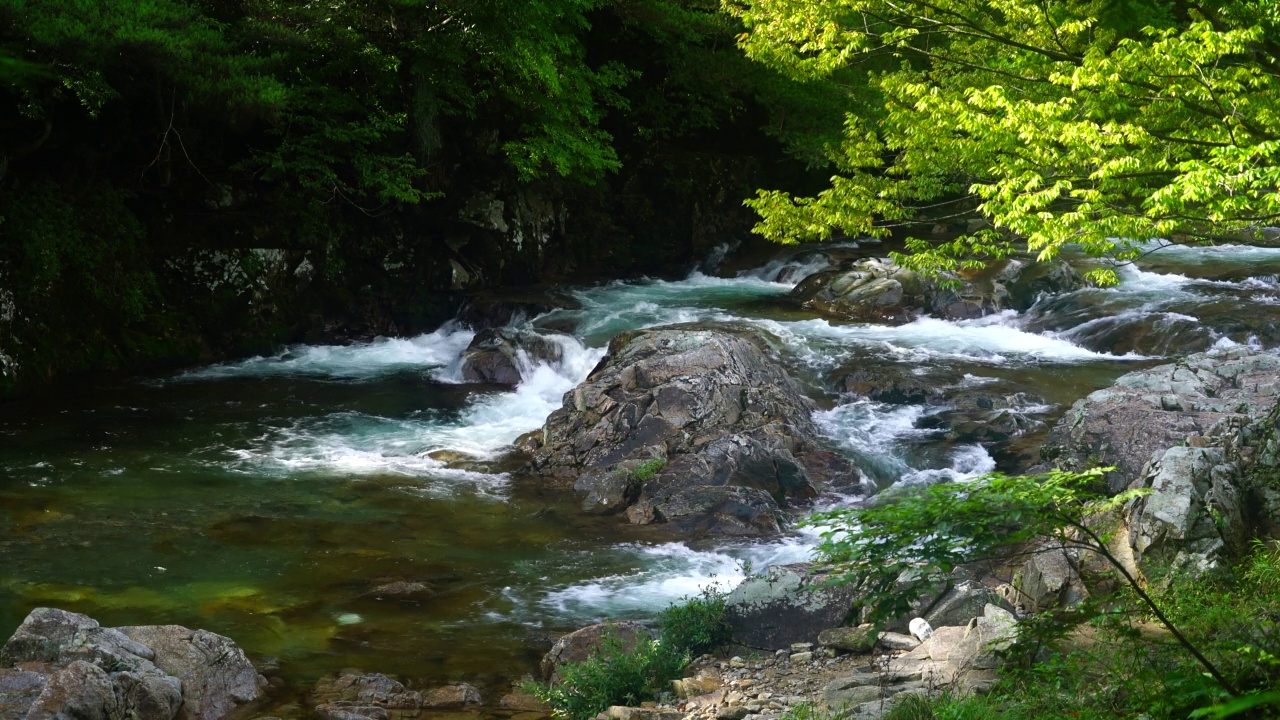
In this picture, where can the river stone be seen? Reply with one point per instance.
(879, 290)
(18, 691)
(849, 639)
(216, 676)
(581, 644)
(59, 637)
(150, 672)
(498, 355)
(452, 697)
(960, 604)
(1027, 282)
(726, 434)
(897, 641)
(1047, 580)
(1152, 410)
(786, 605)
(847, 692)
(80, 691)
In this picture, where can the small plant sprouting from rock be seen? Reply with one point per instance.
(645, 471)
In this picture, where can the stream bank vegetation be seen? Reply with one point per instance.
(1154, 645)
(621, 673)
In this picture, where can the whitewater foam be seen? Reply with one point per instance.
(357, 361)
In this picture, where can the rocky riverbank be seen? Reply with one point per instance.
(682, 395)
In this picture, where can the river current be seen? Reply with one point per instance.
(265, 499)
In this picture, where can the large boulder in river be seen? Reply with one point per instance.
(216, 676)
(88, 672)
(1152, 410)
(693, 426)
(1200, 436)
(788, 604)
(499, 355)
(878, 290)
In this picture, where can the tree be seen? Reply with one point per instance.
(1092, 122)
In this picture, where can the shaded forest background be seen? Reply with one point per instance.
(187, 180)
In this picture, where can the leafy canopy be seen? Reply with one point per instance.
(1092, 122)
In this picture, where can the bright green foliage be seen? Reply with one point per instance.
(1099, 123)
(646, 470)
(909, 542)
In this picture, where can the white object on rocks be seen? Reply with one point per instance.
(920, 628)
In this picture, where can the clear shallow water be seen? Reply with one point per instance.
(265, 499)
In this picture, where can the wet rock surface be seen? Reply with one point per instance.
(879, 290)
(60, 664)
(693, 426)
(499, 355)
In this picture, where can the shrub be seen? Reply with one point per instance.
(696, 625)
(618, 675)
(614, 675)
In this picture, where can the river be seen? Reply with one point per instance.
(265, 499)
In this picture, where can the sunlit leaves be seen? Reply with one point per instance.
(1062, 122)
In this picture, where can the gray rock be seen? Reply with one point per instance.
(452, 697)
(502, 355)
(851, 691)
(1049, 579)
(216, 676)
(1194, 506)
(878, 290)
(786, 605)
(733, 429)
(585, 642)
(58, 637)
(984, 639)
(1152, 410)
(18, 691)
(150, 673)
(80, 691)
(849, 639)
(960, 604)
(897, 641)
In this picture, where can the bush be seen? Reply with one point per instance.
(614, 675)
(696, 625)
(618, 675)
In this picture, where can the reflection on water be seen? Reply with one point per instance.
(355, 506)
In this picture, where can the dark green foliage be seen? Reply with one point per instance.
(614, 675)
(697, 624)
(618, 675)
(141, 136)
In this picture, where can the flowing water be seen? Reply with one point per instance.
(266, 499)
